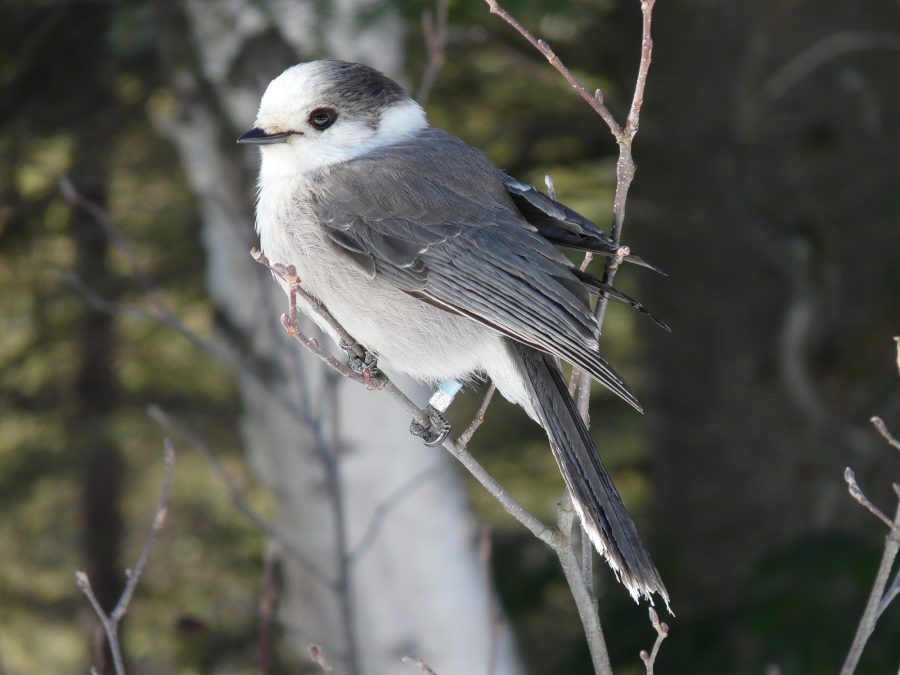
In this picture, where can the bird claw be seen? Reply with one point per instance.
(359, 360)
(436, 432)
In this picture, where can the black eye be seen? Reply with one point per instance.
(322, 118)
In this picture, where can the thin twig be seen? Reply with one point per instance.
(71, 194)
(383, 509)
(546, 533)
(662, 632)
(857, 494)
(235, 495)
(111, 621)
(434, 29)
(818, 54)
(418, 663)
(585, 601)
(873, 606)
(882, 429)
(625, 170)
(594, 100)
(478, 420)
(892, 592)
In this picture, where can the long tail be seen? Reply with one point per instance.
(596, 499)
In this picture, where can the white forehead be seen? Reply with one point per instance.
(373, 111)
(295, 88)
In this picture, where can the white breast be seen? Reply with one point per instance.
(408, 335)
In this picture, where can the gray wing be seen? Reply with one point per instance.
(433, 217)
(561, 225)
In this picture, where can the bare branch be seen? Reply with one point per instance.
(594, 100)
(236, 496)
(892, 592)
(857, 494)
(662, 632)
(580, 577)
(478, 420)
(434, 28)
(71, 194)
(882, 429)
(110, 622)
(877, 597)
(383, 510)
(418, 663)
(547, 534)
(818, 54)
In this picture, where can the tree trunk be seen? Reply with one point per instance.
(330, 451)
(95, 387)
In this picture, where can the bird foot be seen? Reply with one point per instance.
(359, 360)
(436, 432)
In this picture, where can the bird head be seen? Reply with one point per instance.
(321, 113)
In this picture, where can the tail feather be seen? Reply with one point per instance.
(596, 500)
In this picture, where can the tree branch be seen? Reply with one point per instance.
(478, 420)
(418, 663)
(879, 599)
(235, 495)
(882, 429)
(594, 100)
(384, 509)
(662, 632)
(434, 28)
(110, 622)
(581, 579)
(857, 494)
(874, 605)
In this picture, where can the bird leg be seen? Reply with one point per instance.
(439, 428)
(436, 432)
(359, 359)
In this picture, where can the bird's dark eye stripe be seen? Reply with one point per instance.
(322, 118)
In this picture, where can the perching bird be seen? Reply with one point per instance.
(441, 266)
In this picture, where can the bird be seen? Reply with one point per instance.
(442, 267)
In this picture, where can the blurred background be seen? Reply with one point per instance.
(768, 188)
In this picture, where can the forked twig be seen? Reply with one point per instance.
(110, 622)
(879, 598)
(662, 632)
(857, 494)
(478, 420)
(594, 100)
(580, 382)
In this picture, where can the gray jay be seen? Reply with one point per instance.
(441, 266)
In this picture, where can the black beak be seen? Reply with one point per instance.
(257, 136)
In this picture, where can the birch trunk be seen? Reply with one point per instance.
(330, 451)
